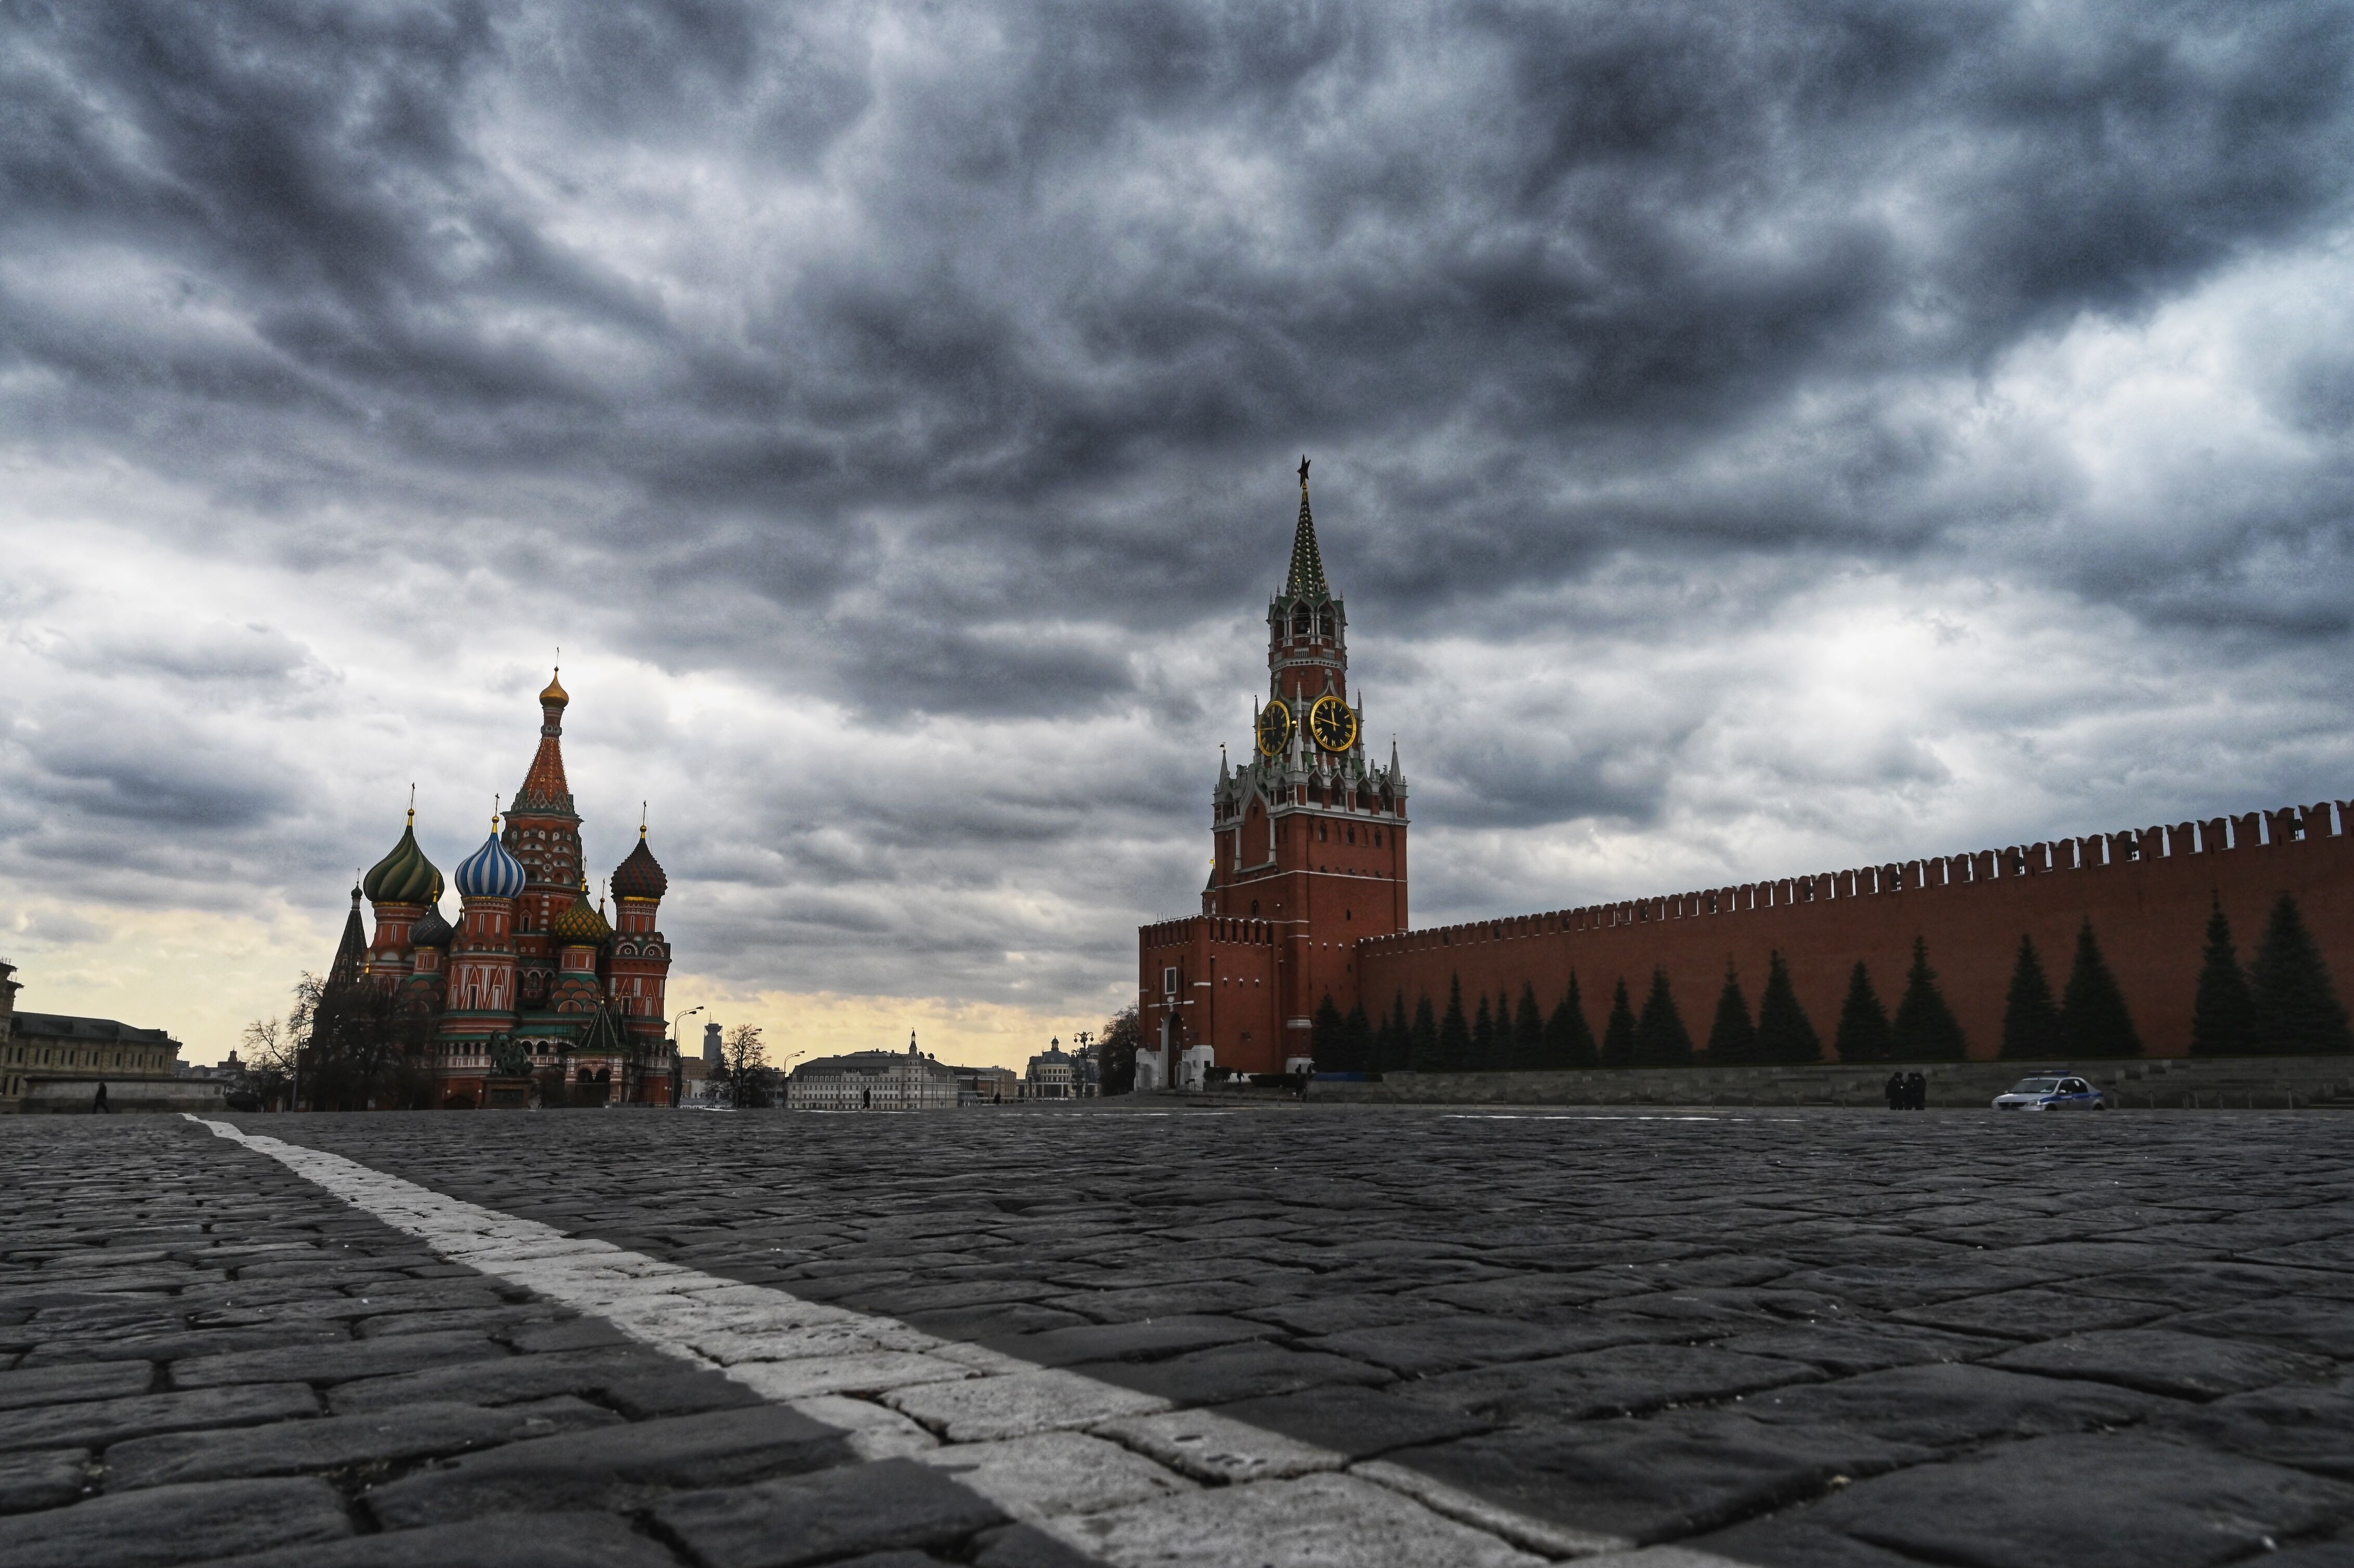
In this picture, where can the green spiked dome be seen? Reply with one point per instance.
(404, 877)
(580, 925)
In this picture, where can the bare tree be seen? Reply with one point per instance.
(744, 1062)
(268, 1061)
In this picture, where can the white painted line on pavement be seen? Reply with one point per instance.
(1111, 1470)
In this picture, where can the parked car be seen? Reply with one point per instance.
(2061, 1092)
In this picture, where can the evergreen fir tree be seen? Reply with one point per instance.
(1326, 1032)
(1528, 1030)
(1454, 1033)
(2031, 1017)
(2297, 1010)
(1569, 1040)
(2093, 1022)
(1483, 1039)
(1394, 1046)
(1864, 1023)
(1422, 1039)
(2223, 1016)
(1925, 1028)
(1732, 1039)
(1785, 1032)
(1660, 1038)
(1618, 1035)
(1357, 1041)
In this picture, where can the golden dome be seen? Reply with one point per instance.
(556, 695)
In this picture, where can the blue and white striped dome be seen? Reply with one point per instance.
(490, 871)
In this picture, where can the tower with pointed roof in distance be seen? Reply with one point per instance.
(1308, 854)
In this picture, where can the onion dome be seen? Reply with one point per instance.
(555, 696)
(641, 875)
(404, 877)
(430, 930)
(580, 925)
(490, 871)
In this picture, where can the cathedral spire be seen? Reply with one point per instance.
(1307, 579)
(351, 953)
(545, 788)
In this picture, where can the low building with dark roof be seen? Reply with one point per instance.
(56, 1062)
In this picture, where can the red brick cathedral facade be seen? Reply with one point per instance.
(532, 978)
(1308, 856)
(1307, 899)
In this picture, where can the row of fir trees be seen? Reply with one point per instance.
(2281, 1004)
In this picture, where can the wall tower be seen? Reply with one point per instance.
(1309, 853)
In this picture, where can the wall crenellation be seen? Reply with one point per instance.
(2096, 851)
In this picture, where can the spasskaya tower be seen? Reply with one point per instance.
(1308, 858)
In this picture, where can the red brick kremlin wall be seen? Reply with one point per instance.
(2147, 893)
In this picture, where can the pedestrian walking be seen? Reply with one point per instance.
(1916, 1092)
(1894, 1090)
(99, 1106)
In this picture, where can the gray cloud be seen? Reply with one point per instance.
(939, 371)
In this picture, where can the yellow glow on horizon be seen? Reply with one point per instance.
(201, 977)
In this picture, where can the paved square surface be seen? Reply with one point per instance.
(1147, 1333)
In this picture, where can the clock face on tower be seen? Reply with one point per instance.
(1273, 728)
(1332, 724)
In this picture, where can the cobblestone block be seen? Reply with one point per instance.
(1846, 1349)
(74, 1384)
(332, 1363)
(503, 1382)
(171, 1525)
(1026, 1546)
(2035, 1313)
(2087, 1502)
(1661, 1480)
(1947, 1406)
(1237, 1371)
(325, 1443)
(893, 1503)
(1447, 1344)
(101, 1422)
(1355, 1422)
(2162, 1361)
(42, 1480)
(501, 1540)
(1054, 1473)
(2311, 1428)
(1313, 1520)
(619, 1467)
(1128, 1341)
(1627, 1378)
(2316, 1326)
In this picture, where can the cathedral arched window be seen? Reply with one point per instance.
(1299, 623)
(1325, 626)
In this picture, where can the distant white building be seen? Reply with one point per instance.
(872, 1080)
(1058, 1075)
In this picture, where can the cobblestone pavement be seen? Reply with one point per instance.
(1775, 1339)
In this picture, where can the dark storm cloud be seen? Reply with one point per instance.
(1594, 239)
(947, 365)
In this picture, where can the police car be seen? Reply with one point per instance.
(2063, 1092)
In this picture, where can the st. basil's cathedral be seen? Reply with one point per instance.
(532, 978)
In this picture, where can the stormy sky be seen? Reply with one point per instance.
(1752, 438)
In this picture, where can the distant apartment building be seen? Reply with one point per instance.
(874, 1080)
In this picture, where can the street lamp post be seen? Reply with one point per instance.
(678, 1054)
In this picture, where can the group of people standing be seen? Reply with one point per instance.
(1906, 1091)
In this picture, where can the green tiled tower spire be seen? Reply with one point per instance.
(1307, 579)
